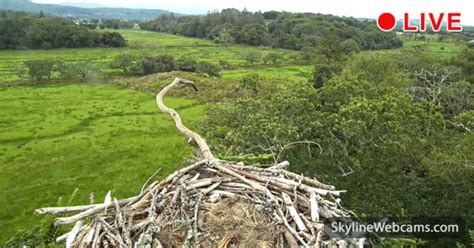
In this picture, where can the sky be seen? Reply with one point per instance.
(355, 8)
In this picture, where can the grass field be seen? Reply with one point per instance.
(277, 74)
(140, 43)
(141, 38)
(436, 49)
(95, 138)
(146, 43)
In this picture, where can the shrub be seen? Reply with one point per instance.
(46, 45)
(40, 70)
(251, 84)
(149, 65)
(225, 65)
(208, 68)
(20, 71)
(163, 63)
(271, 57)
(83, 70)
(124, 62)
(113, 39)
(185, 64)
(252, 57)
(144, 66)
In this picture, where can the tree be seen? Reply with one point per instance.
(186, 64)
(322, 73)
(350, 46)
(372, 136)
(281, 29)
(84, 70)
(434, 83)
(309, 53)
(163, 63)
(273, 57)
(208, 68)
(149, 65)
(32, 31)
(46, 45)
(20, 70)
(254, 34)
(144, 66)
(251, 84)
(124, 62)
(384, 69)
(224, 37)
(40, 70)
(252, 57)
(224, 64)
(330, 58)
(441, 86)
(113, 39)
(465, 60)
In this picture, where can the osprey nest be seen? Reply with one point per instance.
(211, 203)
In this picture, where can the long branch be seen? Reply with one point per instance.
(201, 144)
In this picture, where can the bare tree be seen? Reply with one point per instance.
(434, 83)
(84, 70)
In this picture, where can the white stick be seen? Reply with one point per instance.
(293, 212)
(72, 235)
(314, 207)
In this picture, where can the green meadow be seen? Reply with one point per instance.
(95, 138)
(434, 48)
(146, 43)
(141, 43)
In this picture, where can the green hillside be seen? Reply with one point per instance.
(86, 13)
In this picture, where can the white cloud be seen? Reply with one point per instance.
(356, 8)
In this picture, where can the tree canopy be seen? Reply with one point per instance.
(397, 132)
(278, 29)
(25, 31)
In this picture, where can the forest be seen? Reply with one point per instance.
(278, 29)
(27, 31)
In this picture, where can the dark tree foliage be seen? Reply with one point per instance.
(322, 73)
(279, 29)
(329, 58)
(465, 60)
(252, 57)
(400, 152)
(162, 63)
(24, 31)
(208, 68)
(124, 62)
(185, 64)
(40, 70)
(109, 23)
(150, 65)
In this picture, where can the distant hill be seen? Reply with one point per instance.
(82, 5)
(81, 12)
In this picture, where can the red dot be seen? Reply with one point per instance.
(386, 21)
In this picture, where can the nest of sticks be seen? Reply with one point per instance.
(211, 203)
